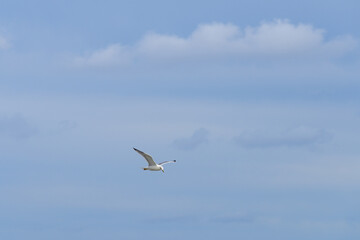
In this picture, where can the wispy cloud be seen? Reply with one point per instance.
(4, 43)
(173, 219)
(66, 125)
(300, 136)
(235, 218)
(16, 126)
(199, 137)
(215, 41)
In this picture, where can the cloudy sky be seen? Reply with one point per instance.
(258, 101)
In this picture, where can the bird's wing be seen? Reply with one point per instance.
(147, 157)
(162, 163)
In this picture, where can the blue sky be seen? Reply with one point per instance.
(257, 100)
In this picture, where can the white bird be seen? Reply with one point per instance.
(152, 165)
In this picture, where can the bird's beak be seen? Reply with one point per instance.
(162, 170)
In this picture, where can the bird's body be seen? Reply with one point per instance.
(152, 165)
(153, 168)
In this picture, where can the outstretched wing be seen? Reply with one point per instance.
(147, 157)
(162, 163)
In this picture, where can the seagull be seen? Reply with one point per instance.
(152, 165)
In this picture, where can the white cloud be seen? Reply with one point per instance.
(279, 38)
(4, 43)
(115, 54)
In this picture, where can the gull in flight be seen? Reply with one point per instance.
(152, 165)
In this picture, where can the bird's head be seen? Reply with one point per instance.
(162, 168)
